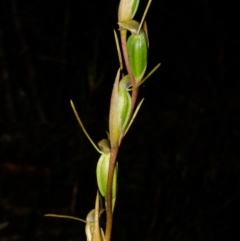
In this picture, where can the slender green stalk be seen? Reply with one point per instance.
(64, 216)
(83, 128)
(144, 16)
(118, 50)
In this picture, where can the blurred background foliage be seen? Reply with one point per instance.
(179, 164)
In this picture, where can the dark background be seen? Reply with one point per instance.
(179, 167)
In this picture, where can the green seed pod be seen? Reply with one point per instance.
(102, 175)
(127, 9)
(137, 46)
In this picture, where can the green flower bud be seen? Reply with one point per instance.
(120, 108)
(127, 9)
(102, 175)
(102, 169)
(137, 46)
(124, 101)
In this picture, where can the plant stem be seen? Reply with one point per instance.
(113, 157)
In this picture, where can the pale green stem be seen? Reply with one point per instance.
(65, 216)
(144, 16)
(146, 77)
(83, 128)
(118, 50)
(133, 117)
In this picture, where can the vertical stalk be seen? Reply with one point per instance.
(113, 157)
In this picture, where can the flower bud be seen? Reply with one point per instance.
(114, 115)
(137, 46)
(102, 172)
(124, 101)
(127, 9)
(90, 224)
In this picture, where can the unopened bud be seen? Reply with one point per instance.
(127, 9)
(137, 46)
(102, 174)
